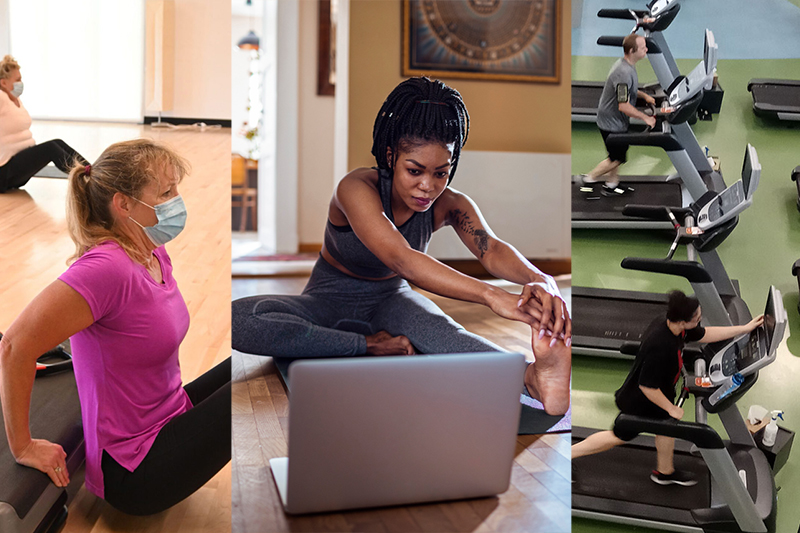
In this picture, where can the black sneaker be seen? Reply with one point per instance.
(618, 190)
(678, 477)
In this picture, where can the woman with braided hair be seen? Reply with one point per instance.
(358, 299)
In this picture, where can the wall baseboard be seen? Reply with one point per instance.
(309, 248)
(473, 267)
(181, 121)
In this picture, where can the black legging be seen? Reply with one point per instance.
(25, 164)
(188, 451)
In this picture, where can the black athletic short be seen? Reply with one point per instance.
(618, 151)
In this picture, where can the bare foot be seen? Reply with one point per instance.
(547, 378)
(382, 343)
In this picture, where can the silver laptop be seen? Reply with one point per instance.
(376, 431)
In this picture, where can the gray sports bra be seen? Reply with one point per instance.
(343, 245)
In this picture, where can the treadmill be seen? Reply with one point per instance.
(736, 487)
(605, 319)
(654, 20)
(694, 177)
(586, 94)
(776, 99)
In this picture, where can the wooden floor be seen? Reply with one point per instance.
(34, 246)
(538, 500)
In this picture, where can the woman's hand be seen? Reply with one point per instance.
(505, 304)
(47, 457)
(544, 298)
(753, 324)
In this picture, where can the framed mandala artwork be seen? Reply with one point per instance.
(515, 40)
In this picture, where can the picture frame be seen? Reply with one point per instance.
(510, 40)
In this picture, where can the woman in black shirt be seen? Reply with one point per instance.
(649, 389)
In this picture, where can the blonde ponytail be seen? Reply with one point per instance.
(126, 167)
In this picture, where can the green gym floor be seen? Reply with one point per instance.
(759, 253)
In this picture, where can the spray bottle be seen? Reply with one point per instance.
(772, 428)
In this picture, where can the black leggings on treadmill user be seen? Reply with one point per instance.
(25, 164)
(188, 451)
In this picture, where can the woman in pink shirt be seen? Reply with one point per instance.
(150, 442)
(20, 157)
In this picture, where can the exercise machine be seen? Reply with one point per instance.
(694, 176)
(29, 501)
(736, 487)
(776, 99)
(604, 319)
(657, 18)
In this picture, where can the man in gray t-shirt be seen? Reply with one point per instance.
(617, 106)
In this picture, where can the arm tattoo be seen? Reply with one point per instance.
(481, 237)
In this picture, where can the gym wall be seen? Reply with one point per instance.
(202, 60)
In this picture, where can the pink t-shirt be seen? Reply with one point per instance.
(126, 362)
(15, 128)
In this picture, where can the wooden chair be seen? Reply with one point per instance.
(242, 195)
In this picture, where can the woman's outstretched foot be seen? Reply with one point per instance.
(547, 378)
(382, 343)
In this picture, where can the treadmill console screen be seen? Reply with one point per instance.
(751, 171)
(762, 334)
(657, 6)
(710, 54)
(750, 353)
(747, 171)
(769, 322)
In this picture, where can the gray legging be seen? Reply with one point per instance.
(336, 311)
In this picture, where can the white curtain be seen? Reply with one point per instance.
(80, 59)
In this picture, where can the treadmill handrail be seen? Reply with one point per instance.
(667, 141)
(655, 212)
(611, 40)
(693, 271)
(702, 435)
(624, 14)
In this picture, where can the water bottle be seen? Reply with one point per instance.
(730, 385)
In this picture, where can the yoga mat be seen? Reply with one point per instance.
(532, 420)
(51, 171)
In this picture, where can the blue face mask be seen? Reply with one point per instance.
(17, 90)
(171, 221)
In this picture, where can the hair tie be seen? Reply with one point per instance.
(87, 170)
(430, 102)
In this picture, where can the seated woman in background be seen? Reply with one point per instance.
(150, 442)
(358, 300)
(20, 157)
